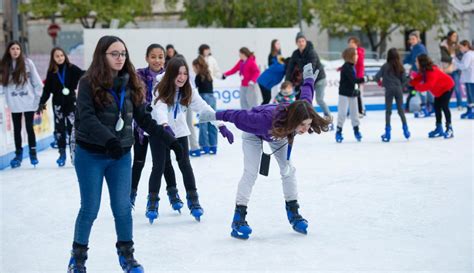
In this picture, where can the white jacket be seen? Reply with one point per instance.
(213, 67)
(467, 67)
(26, 97)
(163, 113)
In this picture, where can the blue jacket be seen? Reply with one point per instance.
(273, 75)
(415, 51)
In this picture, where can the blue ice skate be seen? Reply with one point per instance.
(175, 201)
(240, 227)
(126, 259)
(386, 137)
(406, 133)
(339, 137)
(437, 132)
(152, 207)
(296, 220)
(194, 206)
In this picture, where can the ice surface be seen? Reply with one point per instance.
(371, 206)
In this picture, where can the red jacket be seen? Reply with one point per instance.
(436, 81)
(359, 66)
(248, 69)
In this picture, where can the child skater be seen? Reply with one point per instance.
(22, 87)
(203, 81)
(61, 81)
(174, 96)
(277, 125)
(430, 78)
(110, 96)
(466, 65)
(393, 79)
(287, 93)
(348, 94)
(155, 57)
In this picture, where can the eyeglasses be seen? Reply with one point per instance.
(116, 54)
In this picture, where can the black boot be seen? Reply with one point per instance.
(78, 259)
(127, 261)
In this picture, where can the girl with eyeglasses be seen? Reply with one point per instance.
(22, 87)
(61, 82)
(110, 96)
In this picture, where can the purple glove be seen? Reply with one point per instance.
(226, 134)
(169, 130)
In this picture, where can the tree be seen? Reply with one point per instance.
(244, 13)
(97, 11)
(378, 19)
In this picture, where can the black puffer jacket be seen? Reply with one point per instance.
(348, 81)
(94, 126)
(53, 86)
(299, 59)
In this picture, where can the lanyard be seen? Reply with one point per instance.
(62, 78)
(122, 98)
(177, 105)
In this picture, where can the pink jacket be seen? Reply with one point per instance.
(248, 69)
(359, 66)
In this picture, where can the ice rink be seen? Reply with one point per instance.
(372, 206)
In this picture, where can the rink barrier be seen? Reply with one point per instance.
(41, 145)
(44, 143)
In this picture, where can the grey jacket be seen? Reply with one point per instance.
(389, 79)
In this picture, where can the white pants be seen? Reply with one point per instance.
(252, 148)
(248, 96)
(344, 104)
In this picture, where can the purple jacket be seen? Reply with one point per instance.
(148, 77)
(259, 120)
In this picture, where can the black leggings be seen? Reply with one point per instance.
(139, 157)
(162, 165)
(442, 104)
(266, 94)
(16, 117)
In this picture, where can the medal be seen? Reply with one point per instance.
(65, 91)
(119, 124)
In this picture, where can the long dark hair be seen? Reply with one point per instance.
(284, 126)
(166, 89)
(393, 59)
(202, 68)
(246, 52)
(273, 50)
(53, 66)
(426, 64)
(100, 76)
(19, 75)
(202, 48)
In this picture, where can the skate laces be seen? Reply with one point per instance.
(127, 253)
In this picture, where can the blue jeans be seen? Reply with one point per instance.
(456, 76)
(91, 168)
(470, 93)
(207, 131)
